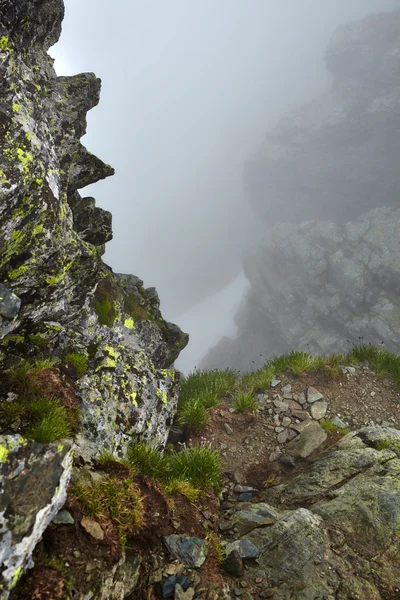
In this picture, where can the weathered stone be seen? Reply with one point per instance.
(245, 497)
(233, 563)
(33, 480)
(228, 429)
(191, 551)
(180, 594)
(338, 422)
(9, 303)
(63, 518)
(313, 395)
(244, 547)
(318, 410)
(302, 415)
(309, 440)
(290, 549)
(280, 406)
(253, 515)
(93, 224)
(93, 528)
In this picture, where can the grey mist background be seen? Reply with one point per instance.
(189, 89)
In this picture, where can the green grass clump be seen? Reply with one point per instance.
(245, 402)
(207, 384)
(193, 416)
(37, 412)
(200, 391)
(199, 465)
(106, 311)
(218, 548)
(258, 381)
(24, 378)
(330, 427)
(79, 362)
(146, 460)
(51, 420)
(381, 361)
(182, 487)
(118, 500)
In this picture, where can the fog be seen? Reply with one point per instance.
(189, 89)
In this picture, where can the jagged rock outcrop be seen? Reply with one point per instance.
(321, 272)
(57, 297)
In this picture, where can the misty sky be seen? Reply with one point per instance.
(189, 89)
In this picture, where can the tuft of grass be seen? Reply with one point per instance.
(218, 548)
(195, 466)
(116, 499)
(52, 421)
(207, 383)
(25, 377)
(105, 309)
(381, 361)
(302, 361)
(258, 381)
(105, 458)
(330, 427)
(182, 487)
(199, 465)
(245, 402)
(146, 460)
(79, 362)
(193, 416)
(200, 391)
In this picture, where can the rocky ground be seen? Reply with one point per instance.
(286, 468)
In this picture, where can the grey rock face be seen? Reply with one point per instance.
(93, 224)
(314, 294)
(352, 498)
(33, 482)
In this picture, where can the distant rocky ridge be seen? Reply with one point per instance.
(326, 186)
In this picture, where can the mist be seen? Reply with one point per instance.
(189, 90)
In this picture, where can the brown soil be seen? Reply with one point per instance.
(50, 382)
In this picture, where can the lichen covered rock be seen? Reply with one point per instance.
(33, 483)
(58, 299)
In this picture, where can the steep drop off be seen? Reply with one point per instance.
(325, 187)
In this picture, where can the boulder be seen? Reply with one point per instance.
(33, 482)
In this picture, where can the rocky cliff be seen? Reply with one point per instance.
(111, 352)
(325, 187)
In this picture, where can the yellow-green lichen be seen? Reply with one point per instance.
(129, 323)
(162, 394)
(4, 43)
(16, 577)
(3, 453)
(18, 272)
